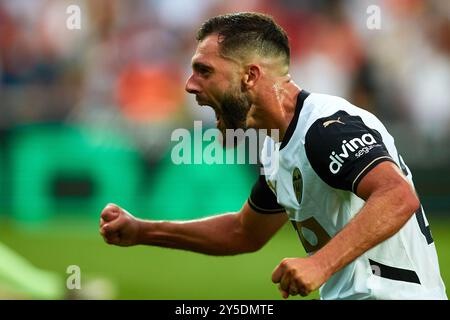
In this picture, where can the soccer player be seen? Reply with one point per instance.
(338, 178)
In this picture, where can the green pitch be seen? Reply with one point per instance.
(154, 273)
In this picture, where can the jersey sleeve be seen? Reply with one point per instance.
(342, 149)
(262, 199)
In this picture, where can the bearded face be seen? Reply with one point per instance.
(232, 112)
(216, 82)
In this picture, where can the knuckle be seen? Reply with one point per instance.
(104, 213)
(306, 288)
(113, 207)
(303, 291)
(309, 287)
(108, 234)
(292, 272)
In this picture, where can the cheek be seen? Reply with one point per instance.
(214, 91)
(216, 95)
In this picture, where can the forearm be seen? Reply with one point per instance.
(380, 218)
(217, 235)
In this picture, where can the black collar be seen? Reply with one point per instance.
(293, 124)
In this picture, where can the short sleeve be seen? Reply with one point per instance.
(342, 149)
(262, 199)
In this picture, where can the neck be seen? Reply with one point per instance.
(288, 107)
(276, 107)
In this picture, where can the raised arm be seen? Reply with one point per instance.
(225, 234)
(390, 202)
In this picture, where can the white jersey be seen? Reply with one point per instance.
(329, 146)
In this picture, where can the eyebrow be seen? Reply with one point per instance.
(199, 65)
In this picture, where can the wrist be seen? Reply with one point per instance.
(324, 263)
(142, 229)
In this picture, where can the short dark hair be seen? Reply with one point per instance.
(248, 31)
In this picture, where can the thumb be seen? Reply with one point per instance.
(114, 226)
(277, 274)
(111, 212)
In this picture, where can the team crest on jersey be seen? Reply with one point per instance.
(297, 182)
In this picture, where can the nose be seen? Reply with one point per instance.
(191, 86)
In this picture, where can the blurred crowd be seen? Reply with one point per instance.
(127, 65)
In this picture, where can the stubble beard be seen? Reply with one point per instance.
(233, 115)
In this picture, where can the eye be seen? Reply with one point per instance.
(204, 71)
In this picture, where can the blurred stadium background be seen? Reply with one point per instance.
(86, 117)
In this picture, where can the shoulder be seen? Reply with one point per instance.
(318, 106)
(342, 141)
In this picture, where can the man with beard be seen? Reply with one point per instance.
(338, 178)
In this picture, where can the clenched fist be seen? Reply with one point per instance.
(299, 276)
(119, 227)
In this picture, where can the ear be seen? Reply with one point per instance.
(252, 74)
